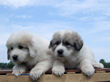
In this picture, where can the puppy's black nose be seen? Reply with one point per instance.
(15, 57)
(60, 53)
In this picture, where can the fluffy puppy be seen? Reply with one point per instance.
(29, 52)
(70, 52)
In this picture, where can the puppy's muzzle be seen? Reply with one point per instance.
(60, 52)
(15, 57)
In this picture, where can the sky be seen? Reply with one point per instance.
(90, 18)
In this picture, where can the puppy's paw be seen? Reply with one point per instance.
(58, 70)
(36, 73)
(18, 72)
(101, 65)
(98, 65)
(89, 71)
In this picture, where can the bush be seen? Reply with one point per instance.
(6, 65)
(106, 65)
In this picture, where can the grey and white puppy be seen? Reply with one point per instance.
(70, 52)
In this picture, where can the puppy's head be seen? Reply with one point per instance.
(65, 43)
(20, 47)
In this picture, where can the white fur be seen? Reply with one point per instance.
(83, 59)
(66, 52)
(37, 55)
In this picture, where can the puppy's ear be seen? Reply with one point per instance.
(51, 44)
(28, 40)
(8, 54)
(32, 51)
(78, 44)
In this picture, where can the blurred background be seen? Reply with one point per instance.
(90, 18)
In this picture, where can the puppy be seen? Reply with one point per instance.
(29, 52)
(70, 52)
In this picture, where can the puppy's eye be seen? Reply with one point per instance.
(57, 43)
(67, 43)
(11, 48)
(20, 47)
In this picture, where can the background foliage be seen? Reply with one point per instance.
(6, 65)
(10, 64)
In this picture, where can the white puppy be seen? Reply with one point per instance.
(70, 52)
(29, 52)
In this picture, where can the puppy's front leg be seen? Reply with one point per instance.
(40, 68)
(87, 68)
(18, 70)
(58, 68)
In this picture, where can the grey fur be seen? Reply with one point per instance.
(73, 38)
